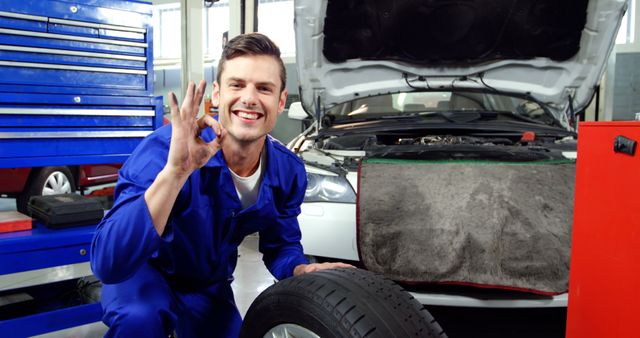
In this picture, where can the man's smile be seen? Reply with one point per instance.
(248, 115)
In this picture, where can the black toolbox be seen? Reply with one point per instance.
(65, 210)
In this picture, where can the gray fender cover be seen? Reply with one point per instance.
(493, 224)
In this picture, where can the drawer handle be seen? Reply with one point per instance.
(624, 145)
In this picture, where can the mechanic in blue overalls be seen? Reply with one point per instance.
(190, 193)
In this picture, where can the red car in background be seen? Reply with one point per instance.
(22, 183)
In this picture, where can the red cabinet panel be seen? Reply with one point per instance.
(604, 278)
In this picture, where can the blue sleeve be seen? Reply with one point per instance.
(280, 242)
(126, 238)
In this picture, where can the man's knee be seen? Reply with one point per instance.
(139, 320)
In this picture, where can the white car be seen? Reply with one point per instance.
(442, 140)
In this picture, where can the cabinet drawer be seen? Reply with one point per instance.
(22, 73)
(99, 129)
(122, 13)
(34, 119)
(43, 258)
(84, 49)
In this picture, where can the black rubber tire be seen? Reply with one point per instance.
(340, 303)
(36, 183)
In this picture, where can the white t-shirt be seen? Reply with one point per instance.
(248, 187)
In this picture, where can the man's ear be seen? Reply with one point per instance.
(283, 101)
(215, 95)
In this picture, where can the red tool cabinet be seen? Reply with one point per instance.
(604, 277)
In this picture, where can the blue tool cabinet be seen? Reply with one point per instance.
(76, 81)
(76, 87)
(37, 250)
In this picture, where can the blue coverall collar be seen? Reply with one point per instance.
(268, 178)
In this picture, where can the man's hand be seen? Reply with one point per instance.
(306, 268)
(188, 151)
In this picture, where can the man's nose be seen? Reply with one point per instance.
(249, 96)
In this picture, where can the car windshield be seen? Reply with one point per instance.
(467, 106)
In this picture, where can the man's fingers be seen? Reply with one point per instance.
(186, 110)
(311, 268)
(173, 103)
(335, 265)
(208, 121)
(199, 94)
(324, 266)
(219, 139)
(197, 97)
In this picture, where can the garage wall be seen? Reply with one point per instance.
(620, 84)
(626, 87)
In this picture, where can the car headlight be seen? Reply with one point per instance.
(323, 188)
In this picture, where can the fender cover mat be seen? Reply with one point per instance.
(490, 224)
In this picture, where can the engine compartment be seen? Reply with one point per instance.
(508, 147)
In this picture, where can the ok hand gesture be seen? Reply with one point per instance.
(188, 151)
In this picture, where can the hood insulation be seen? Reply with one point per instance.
(453, 31)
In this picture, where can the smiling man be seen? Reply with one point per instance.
(188, 196)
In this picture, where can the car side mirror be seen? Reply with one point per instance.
(296, 112)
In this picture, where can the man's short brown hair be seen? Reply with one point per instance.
(251, 44)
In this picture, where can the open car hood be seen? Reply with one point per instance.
(552, 50)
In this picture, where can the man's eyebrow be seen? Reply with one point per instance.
(268, 83)
(234, 79)
(263, 83)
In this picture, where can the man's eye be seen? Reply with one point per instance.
(234, 85)
(265, 89)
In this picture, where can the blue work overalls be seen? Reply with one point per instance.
(181, 280)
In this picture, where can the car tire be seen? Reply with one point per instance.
(45, 181)
(338, 303)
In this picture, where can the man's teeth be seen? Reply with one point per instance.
(248, 116)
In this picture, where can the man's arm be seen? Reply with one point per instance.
(280, 243)
(126, 237)
(187, 152)
(147, 190)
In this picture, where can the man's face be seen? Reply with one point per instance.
(248, 97)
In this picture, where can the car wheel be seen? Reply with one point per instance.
(337, 304)
(46, 181)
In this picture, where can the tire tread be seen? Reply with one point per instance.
(361, 303)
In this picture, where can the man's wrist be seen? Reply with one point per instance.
(173, 175)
